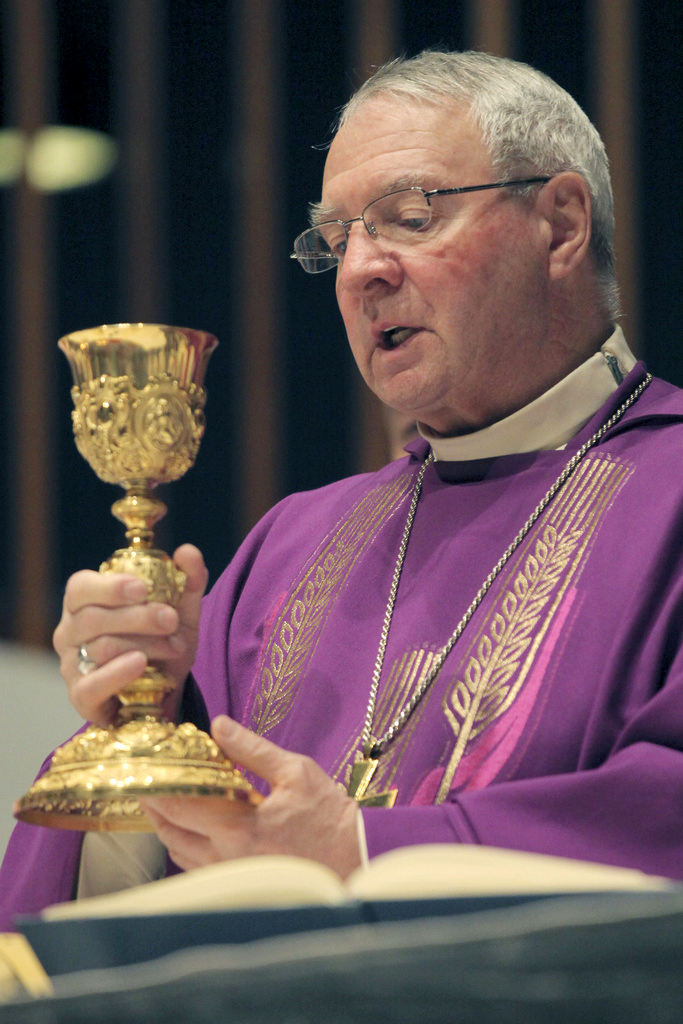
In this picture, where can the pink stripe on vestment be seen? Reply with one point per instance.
(479, 768)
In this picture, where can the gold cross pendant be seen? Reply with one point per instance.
(361, 775)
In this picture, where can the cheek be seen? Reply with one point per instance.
(349, 312)
(346, 300)
(457, 275)
(343, 301)
(488, 267)
(351, 315)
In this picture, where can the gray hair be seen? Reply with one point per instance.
(530, 125)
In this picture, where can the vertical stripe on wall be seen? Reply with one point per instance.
(374, 40)
(491, 26)
(613, 29)
(142, 245)
(257, 247)
(139, 68)
(31, 343)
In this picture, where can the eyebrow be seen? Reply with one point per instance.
(319, 213)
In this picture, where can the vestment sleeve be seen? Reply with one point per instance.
(39, 868)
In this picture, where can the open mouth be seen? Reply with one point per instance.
(392, 337)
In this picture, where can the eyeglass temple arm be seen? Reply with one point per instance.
(481, 188)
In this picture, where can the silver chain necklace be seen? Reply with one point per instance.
(373, 747)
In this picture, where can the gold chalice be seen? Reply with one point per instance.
(138, 420)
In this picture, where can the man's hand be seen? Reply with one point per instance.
(109, 616)
(306, 814)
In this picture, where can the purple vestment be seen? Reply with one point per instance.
(555, 724)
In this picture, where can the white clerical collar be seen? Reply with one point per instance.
(550, 420)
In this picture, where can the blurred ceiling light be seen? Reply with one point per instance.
(58, 158)
(61, 158)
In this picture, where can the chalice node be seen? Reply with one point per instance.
(138, 420)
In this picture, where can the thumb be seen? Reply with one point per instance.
(190, 560)
(250, 751)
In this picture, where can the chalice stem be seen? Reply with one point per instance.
(140, 511)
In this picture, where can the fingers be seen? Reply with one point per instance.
(190, 560)
(108, 632)
(195, 815)
(187, 827)
(110, 590)
(109, 615)
(253, 752)
(166, 648)
(98, 605)
(187, 848)
(306, 813)
(94, 695)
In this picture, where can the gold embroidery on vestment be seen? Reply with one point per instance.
(501, 654)
(405, 675)
(301, 621)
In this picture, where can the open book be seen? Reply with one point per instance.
(263, 897)
(413, 872)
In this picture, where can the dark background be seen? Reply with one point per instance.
(204, 230)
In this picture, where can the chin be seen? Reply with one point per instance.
(400, 393)
(407, 404)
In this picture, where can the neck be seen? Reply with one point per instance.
(550, 420)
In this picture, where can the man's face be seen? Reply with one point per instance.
(475, 291)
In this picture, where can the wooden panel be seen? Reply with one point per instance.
(614, 60)
(491, 26)
(31, 344)
(139, 65)
(258, 247)
(374, 41)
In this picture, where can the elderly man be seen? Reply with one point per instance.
(482, 640)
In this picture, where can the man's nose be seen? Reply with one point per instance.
(368, 261)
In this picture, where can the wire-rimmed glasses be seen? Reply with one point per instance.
(402, 217)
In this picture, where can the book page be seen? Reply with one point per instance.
(452, 869)
(20, 968)
(246, 882)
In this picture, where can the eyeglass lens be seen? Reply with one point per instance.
(397, 217)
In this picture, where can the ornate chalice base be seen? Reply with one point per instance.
(138, 420)
(94, 779)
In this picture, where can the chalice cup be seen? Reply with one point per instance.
(138, 420)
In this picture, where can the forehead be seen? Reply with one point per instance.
(391, 143)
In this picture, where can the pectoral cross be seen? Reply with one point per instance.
(361, 775)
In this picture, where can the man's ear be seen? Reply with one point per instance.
(566, 204)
